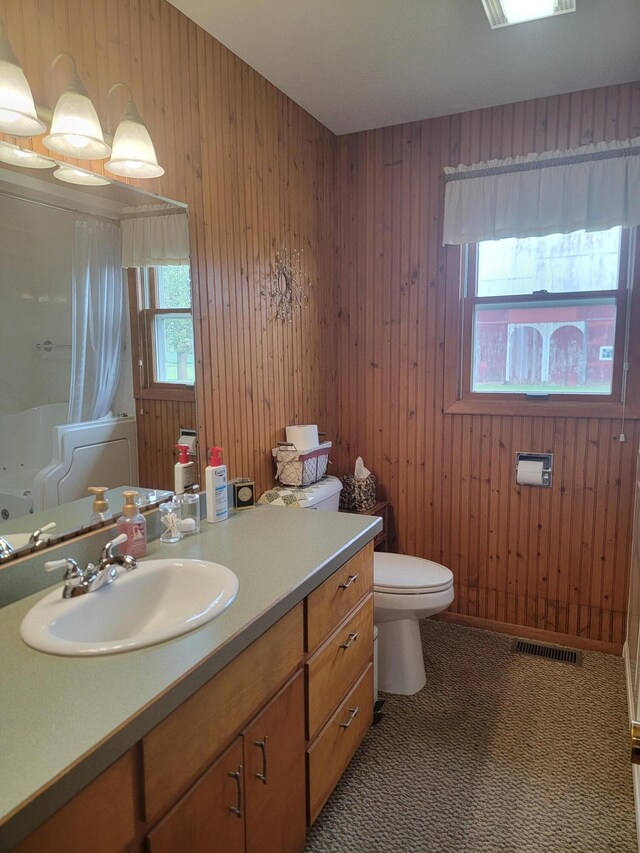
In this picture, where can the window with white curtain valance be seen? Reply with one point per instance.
(591, 188)
(155, 236)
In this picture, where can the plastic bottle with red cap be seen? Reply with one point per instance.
(216, 487)
(184, 470)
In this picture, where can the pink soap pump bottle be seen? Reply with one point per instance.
(134, 525)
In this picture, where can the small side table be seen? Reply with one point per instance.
(385, 540)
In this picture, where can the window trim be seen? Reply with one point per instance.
(458, 266)
(143, 310)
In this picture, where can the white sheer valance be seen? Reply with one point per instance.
(591, 188)
(155, 236)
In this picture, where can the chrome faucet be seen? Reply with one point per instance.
(80, 581)
(37, 539)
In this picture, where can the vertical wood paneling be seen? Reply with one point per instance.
(369, 358)
(256, 172)
(554, 560)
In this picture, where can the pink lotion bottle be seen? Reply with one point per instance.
(134, 525)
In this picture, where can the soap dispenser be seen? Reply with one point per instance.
(100, 508)
(134, 525)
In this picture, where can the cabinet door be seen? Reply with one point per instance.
(210, 816)
(274, 760)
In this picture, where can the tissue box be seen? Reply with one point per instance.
(356, 494)
(301, 469)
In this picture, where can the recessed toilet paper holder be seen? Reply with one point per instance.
(547, 466)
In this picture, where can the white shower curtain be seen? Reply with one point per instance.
(97, 319)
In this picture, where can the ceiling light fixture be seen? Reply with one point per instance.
(133, 154)
(72, 175)
(21, 157)
(504, 13)
(17, 109)
(75, 127)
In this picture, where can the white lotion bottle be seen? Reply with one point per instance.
(184, 470)
(216, 487)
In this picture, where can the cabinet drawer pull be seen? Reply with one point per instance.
(350, 640)
(353, 713)
(351, 579)
(237, 775)
(262, 746)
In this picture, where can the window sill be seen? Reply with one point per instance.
(540, 408)
(181, 393)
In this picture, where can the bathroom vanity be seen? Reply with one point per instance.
(236, 732)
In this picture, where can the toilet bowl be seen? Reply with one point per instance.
(406, 589)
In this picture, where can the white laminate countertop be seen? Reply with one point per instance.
(64, 720)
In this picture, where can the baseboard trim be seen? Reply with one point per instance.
(533, 633)
(635, 768)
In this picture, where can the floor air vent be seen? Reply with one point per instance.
(525, 647)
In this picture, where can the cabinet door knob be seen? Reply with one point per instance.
(350, 640)
(237, 775)
(353, 713)
(351, 579)
(262, 746)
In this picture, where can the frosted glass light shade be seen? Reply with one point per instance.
(20, 157)
(133, 154)
(75, 128)
(71, 175)
(17, 109)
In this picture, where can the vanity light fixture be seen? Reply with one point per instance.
(75, 127)
(133, 154)
(503, 13)
(21, 157)
(17, 108)
(73, 175)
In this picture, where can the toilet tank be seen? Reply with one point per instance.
(323, 495)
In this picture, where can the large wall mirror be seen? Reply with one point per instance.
(96, 312)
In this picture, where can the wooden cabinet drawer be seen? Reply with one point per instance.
(206, 813)
(337, 663)
(331, 601)
(181, 747)
(329, 756)
(101, 817)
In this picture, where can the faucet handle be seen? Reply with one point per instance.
(73, 569)
(107, 551)
(36, 536)
(74, 577)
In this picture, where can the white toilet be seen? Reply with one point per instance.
(405, 589)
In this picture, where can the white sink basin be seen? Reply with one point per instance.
(159, 600)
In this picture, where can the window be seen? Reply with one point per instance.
(546, 315)
(165, 329)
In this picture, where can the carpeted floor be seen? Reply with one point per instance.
(499, 753)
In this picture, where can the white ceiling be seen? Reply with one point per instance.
(358, 64)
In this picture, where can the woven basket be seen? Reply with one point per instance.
(301, 469)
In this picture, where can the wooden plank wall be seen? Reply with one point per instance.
(256, 171)
(553, 560)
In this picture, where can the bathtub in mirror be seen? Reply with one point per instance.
(67, 405)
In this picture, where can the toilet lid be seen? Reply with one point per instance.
(402, 574)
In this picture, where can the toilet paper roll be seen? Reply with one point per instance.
(529, 473)
(304, 437)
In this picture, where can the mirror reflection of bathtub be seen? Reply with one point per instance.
(45, 461)
(65, 338)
